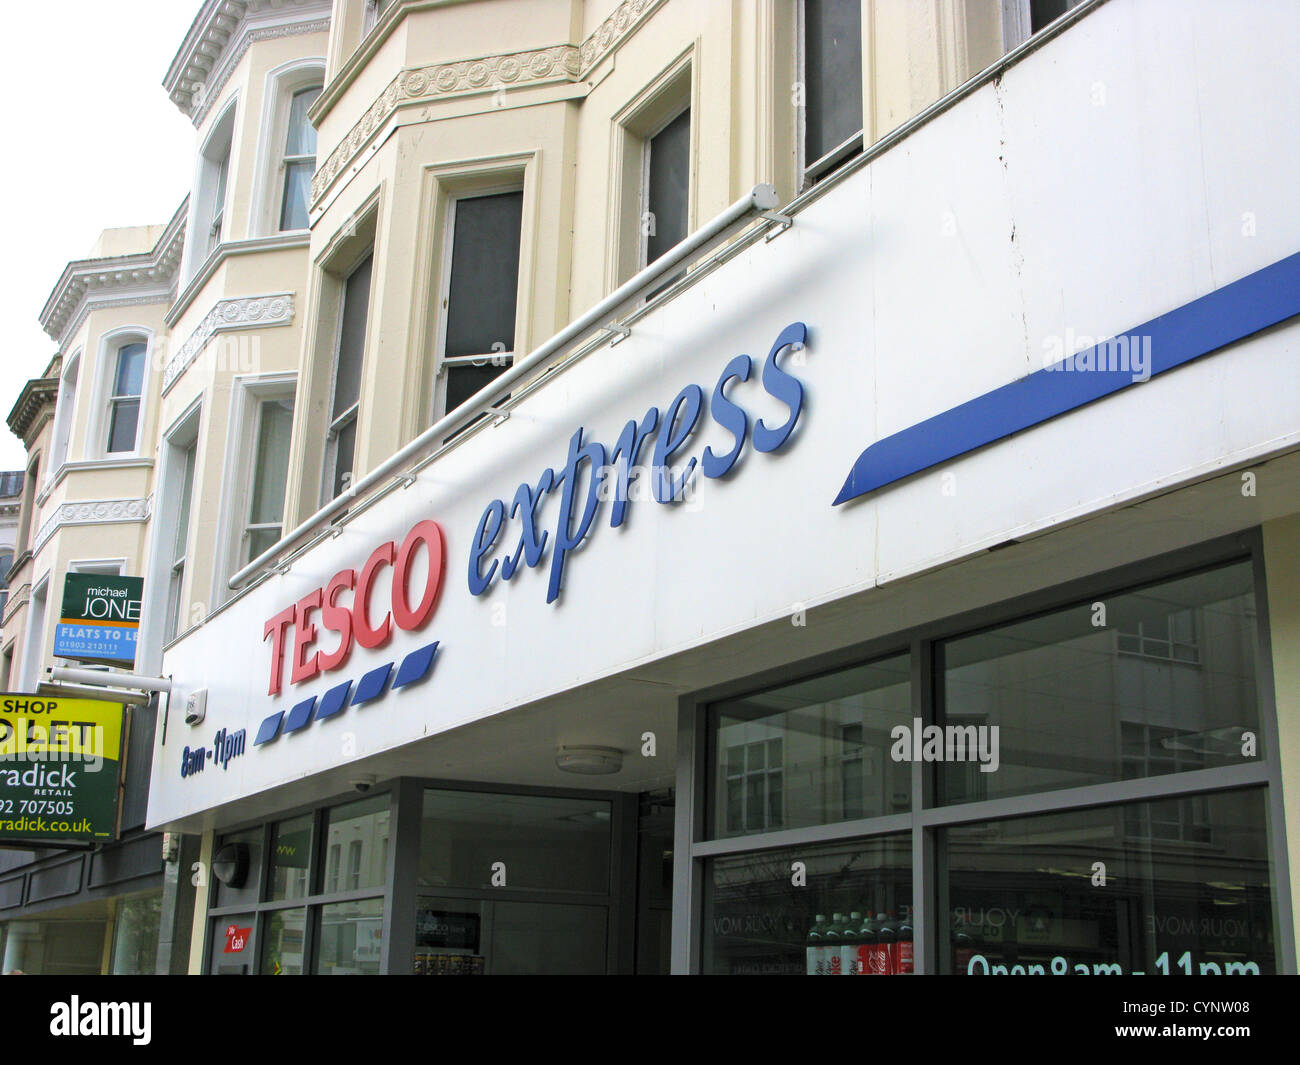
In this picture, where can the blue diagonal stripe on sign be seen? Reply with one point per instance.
(415, 665)
(300, 715)
(269, 728)
(371, 685)
(1213, 321)
(333, 701)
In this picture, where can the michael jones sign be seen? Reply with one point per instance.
(99, 619)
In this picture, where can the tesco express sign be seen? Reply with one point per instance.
(296, 632)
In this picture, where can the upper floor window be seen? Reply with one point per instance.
(264, 519)
(374, 12)
(480, 293)
(299, 161)
(1021, 19)
(341, 439)
(64, 413)
(6, 563)
(178, 538)
(832, 78)
(124, 399)
(209, 221)
(666, 191)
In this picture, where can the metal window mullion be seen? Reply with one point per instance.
(1108, 793)
(925, 908)
(888, 824)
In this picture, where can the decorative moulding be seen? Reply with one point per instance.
(92, 512)
(541, 66)
(246, 312)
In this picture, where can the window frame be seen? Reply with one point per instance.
(444, 363)
(248, 393)
(207, 208)
(64, 417)
(338, 424)
(101, 420)
(809, 172)
(281, 85)
(927, 818)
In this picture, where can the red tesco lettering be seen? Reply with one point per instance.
(355, 622)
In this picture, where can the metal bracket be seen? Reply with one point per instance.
(405, 480)
(501, 419)
(784, 222)
(621, 333)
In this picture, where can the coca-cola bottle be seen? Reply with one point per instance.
(850, 940)
(813, 952)
(886, 934)
(903, 948)
(834, 936)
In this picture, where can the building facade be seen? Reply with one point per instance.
(785, 487)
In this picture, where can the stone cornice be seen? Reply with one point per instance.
(219, 37)
(245, 312)
(222, 252)
(35, 396)
(487, 74)
(92, 512)
(88, 280)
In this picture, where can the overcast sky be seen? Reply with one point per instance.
(93, 143)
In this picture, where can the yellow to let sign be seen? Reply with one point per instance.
(60, 764)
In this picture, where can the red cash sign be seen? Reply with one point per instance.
(354, 621)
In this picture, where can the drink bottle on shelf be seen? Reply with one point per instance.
(834, 937)
(813, 952)
(885, 936)
(866, 942)
(903, 948)
(850, 941)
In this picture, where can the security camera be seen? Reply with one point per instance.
(364, 782)
(196, 706)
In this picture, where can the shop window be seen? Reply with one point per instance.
(127, 383)
(359, 828)
(341, 437)
(812, 752)
(290, 859)
(1058, 688)
(831, 75)
(480, 293)
(1022, 897)
(351, 938)
(284, 943)
(299, 160)
(476, 937)
(135, 935)
(1172, 637)
(853, 916)
(545, 843)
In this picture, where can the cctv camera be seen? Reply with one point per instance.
(364, 782)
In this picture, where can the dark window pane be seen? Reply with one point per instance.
(351, 938)
(282, 946)
(464, 380)
(122, 425)
(545, 843)
(290, 858)
(811, 753)
(1041, 12)
(260, 540)
(1071, 710)
(1022, 899)
(297, 188)
(130, 370)
(484, 275)
(854, 917)
(361, 830)
(343, 452)
(352, 338)
(668, 186)
(833, 75)
(468, 937)
(245, 893)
